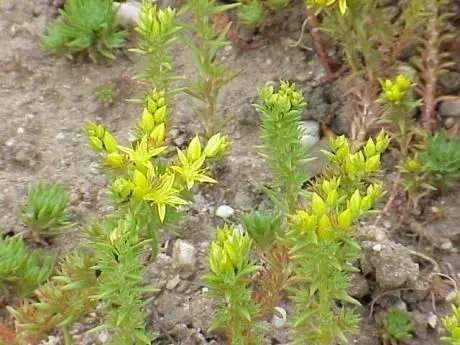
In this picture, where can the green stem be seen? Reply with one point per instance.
(67, 336)
(324, 302)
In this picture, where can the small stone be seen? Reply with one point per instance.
(182, 286)
(377, 247)
(432, 320)
(450, 81)
(450, 108)
(359, 287)
(184, 255)
(446, 244)
(21, 130)
(279, 319)
(309, 133)
(449, 122)
(60, 136)
(128, 13)
(172, 283)
(10, 142)
(225, 211)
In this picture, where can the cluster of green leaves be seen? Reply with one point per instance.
(44, 212)
(451, 324)
(309, 250)
(434, 163)
(252, 13)
(228, 280)
(322, 245)
(86, 27)
(158, 29)
(117, 247)
(105, 94)
(147, 184)
(280, 137)
(60, 302)
(397, 327)
(22, 271)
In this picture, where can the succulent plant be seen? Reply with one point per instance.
(85, 27)
(44, 213)
(397, 326)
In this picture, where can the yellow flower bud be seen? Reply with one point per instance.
(216, 145)
(412, 165)
(332, 197)
(373, 164)
(114, 160)
(158, 134)
(160, 114)
(110, 144)
(354, 203)
(151, 105)
(345, 219)
(317, 204)
(403, 82)
(194, 150)
(369, 148)
(147, 121)
(324, 227)
(96, 144)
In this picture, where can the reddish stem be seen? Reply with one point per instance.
(430, 74)
(318, 42)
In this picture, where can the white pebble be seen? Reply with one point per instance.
(432, 320)
(225, 211)
(128, 13)
(20, 130)
(60, 136)
(280, 318)
(377, 247)
(184, 254)
(10, 142)
(309, 131)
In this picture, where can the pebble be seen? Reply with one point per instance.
(128, 13)
(60, 136)
(309, 133)
(432, 320)
(225, 211)
(280, 318)
(21, 130)
(172, 283)
(450, 108)
(184, 255)
(377, 247)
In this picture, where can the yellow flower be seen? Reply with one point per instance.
(164, 194)
(191, 172)
(326, 3)
(142, 154)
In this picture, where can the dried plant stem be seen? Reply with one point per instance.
(390, 200)
(432, 64)
(318, 42)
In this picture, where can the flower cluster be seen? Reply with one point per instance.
(395, 91)
(326, 3)
(144, 179)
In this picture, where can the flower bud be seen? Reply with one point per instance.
(158, 133)
(160, 114)
(216, 145)
(110, 144)
(317, 204)
(114, 160)
(345, 219)
(96, 144)
(194, 150)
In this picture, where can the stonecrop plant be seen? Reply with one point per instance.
(22, 271)
(397, 327)
(451, 324)
(87, 28)
(159, 28)
(310, 248)
(44, 212)
(148, 185)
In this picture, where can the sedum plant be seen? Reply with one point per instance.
(321, 242)
(86, 27)
(148, 185)
(397, 327)
(451, 324)
(44, 212)
(306, 246)
(60, 302)
(117, 248)
(21, 271)
(159, 29)
(229, 281)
